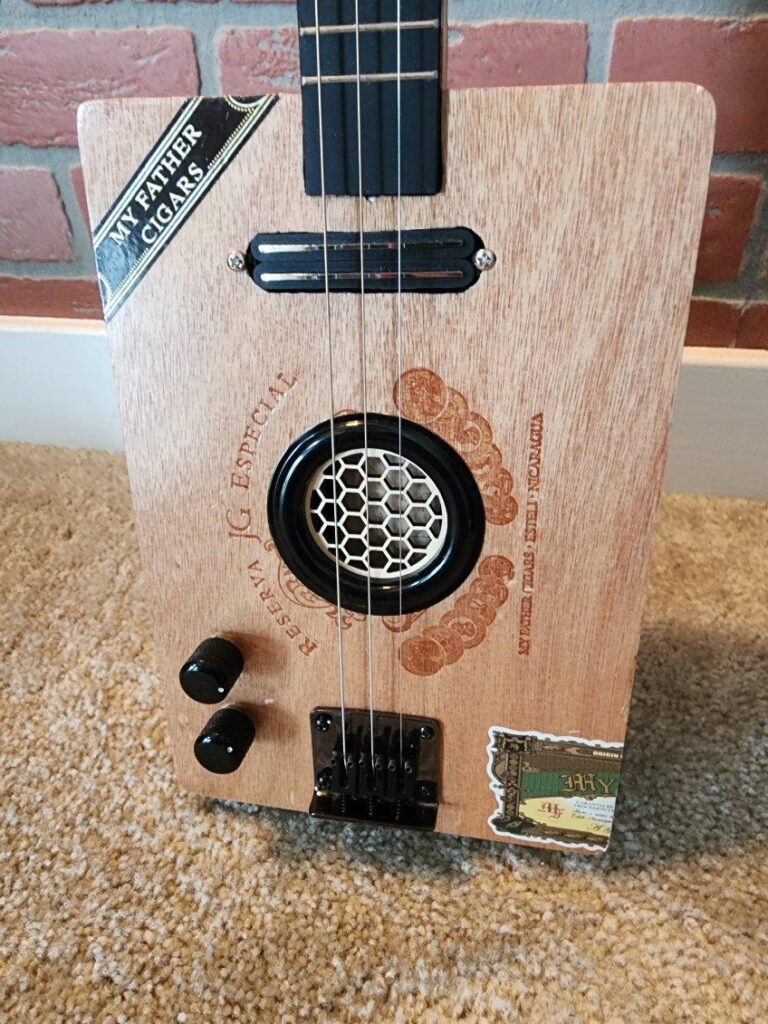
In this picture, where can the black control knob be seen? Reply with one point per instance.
(225, 740)
(211, 670)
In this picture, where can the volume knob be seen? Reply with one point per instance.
(211, 670)
(225, 740)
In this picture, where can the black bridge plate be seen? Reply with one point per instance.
(383, 787)
(434, 260)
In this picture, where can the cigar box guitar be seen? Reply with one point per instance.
(396, 369)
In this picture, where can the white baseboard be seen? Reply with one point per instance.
(719, 442)
(56, 388)
(56, 384)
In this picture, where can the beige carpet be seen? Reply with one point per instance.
(123, 898)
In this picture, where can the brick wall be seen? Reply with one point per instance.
(56, 53)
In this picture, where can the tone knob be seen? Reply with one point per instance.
(225, 740)
(211, 670)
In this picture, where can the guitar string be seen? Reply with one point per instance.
(399, 343)
(329, 337)
(361, 229)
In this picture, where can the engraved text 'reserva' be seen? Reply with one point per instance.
(241, 522)
(240, 528)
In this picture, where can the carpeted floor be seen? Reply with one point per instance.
(123, 898)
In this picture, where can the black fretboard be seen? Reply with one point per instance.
(420, 149)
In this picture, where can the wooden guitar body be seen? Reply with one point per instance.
(553, 377)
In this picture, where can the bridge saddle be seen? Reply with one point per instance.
(390, 781)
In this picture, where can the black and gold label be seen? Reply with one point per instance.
(181, 167)
(556, 790)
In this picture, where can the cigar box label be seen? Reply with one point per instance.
(180, 169)
(556, 790)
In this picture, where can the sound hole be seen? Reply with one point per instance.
(425, 520)
(407, 521)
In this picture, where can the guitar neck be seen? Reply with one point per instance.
(395, 89)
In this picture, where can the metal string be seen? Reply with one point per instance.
(361, 227)
(329, 337)
(399, 342)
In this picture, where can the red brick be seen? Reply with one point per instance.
(78, 184)
(45, 74)
(517, 53)
(33, 225)
(58, 296)
(730, 212)
(63, 3)
(713, 323)
(753, 327)
(256, 60)
(728, 56)
(77, 3)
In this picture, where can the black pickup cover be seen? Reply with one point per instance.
(433, 260)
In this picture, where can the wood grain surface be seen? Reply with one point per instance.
(592, 199)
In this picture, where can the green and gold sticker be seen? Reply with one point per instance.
(557, 790)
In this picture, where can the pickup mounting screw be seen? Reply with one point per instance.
(236, 261)
(426, 732)
(484, 259)
(323, 722)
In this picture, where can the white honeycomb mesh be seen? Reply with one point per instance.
(403, 538)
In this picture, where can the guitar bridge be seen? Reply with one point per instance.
(385, 775)
(436, 260)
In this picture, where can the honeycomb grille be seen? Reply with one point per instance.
(406, 514)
